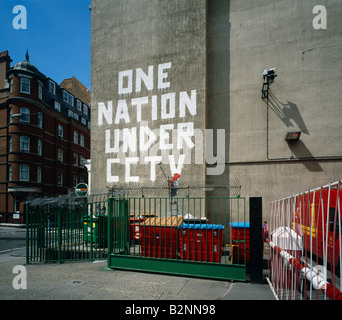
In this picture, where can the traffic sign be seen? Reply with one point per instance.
(81, 190)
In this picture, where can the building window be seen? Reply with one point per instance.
(39, 174)
(11, 85)
(76, 116)
(68, 98)
(75, 180)
(10, 144)
(65, 96)
(89, 125)
(52, 87)
(85, 109)
(25, 85)
(84, 121)
(57, 106)
(24, 172)
(40, 120)
(82, 161)
(75, 159)
(70, 114)
(60, 131)
(60, 179)
(76, 137)
(60, 155)
(40, 91)
(40, 147)
(25, 115)
(79, 105)
(82, 140)
(10, 172)
(24, 144)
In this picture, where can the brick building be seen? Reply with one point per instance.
(44, 136)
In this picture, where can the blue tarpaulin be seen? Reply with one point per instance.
(239, 224)
(201, 226)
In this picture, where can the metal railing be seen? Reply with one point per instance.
(178, 230)
(67, 232)
(305, 241)
(203, 234)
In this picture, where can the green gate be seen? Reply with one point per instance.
(185, 236)
(66, 232)
(199, 236)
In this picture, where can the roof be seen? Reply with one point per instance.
(27, 66)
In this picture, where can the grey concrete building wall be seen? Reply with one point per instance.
(219, 49)
(163, 43)
(305, 97)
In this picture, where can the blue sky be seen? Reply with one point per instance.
(57, 37)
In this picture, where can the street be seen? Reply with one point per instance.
(12, 243)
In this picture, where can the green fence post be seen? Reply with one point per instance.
(27, 237)
(109, 230)
(59, 234)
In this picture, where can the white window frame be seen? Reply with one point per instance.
(39, 174)
(39, 147)
(24, 172)
(40, 120)
(25, 115)
(85, 109)
(75, 137)
(24, 145)
(65, 96)
(25, 85)
(40, 90)
(57, 106)
(10, 143)
(60, 131)
(79, 105)
(60, 155)
(60, 179)
(52, 87)
(74, 180)
(75, 159)
(81, 140)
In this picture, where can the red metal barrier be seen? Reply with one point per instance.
(306, 246)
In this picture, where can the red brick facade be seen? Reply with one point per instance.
(38, 154)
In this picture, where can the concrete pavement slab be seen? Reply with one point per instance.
(92, 281)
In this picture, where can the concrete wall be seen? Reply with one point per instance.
(219, 49)
(306, 96)
(138, 36)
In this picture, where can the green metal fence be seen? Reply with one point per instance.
(185, 236)
(69, 232)
(199, 236)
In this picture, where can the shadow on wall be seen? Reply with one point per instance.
(300, 151)
(289, 114)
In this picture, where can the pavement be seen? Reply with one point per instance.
(93, 281)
